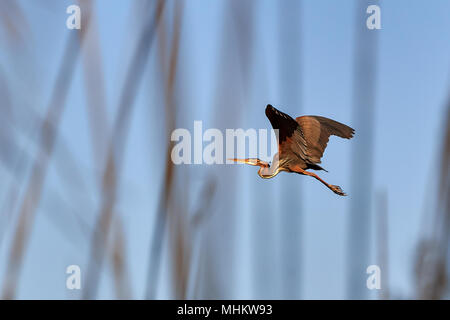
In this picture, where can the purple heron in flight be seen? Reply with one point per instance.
(301, 143)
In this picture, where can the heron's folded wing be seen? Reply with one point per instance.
(317, 130)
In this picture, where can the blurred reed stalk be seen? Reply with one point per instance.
(290, 191)
(178, 226)
(6, 157)
(35, 185)
(168, 77)
(15, 159)
(197, 227)
(364, 97)
(118, 257)
(116, 149)
(21, 120)
(13, 20)
(12, 157)
(218, 270)
(383, 242)
(99, 128)
(432, 267)
(94, 87)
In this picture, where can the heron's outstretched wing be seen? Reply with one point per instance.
(317, 130)
(289, 134)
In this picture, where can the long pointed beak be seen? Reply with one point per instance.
(238, 160)
(251, 162)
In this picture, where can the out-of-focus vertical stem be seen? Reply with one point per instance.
(38, 172)
(290, 191)
(98, 121)
(232, 89)
(383, 242)
(167, 185)
(180, 251)
(364, 94)
(116, 150)
(445, 161)
(197, 227)
(122, 285)
(94, 86)
(15, 158)
(432, 266)
(13, 20)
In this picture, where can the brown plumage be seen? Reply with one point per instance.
(301, 144)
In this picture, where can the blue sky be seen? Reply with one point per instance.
(412, 88)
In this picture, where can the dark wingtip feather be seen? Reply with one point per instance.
(350, 134)
(269, 109)
(272, 113)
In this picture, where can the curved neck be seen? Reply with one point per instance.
(268, 172)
